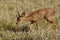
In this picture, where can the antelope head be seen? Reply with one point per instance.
(20, 17)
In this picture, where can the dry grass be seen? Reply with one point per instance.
(8, 20)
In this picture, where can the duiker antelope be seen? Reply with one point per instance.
(35, 16)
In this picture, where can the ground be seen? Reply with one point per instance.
(8, 13)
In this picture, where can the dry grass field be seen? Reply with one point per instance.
(8, 25)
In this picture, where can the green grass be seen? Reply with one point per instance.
(8, 20)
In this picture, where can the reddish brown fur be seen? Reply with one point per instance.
(45, 13)
(40, 14)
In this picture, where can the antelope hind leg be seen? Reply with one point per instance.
(51, 21)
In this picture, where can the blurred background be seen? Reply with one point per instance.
(8, 13)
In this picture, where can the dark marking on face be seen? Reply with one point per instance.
(32, 21)
(18, 19)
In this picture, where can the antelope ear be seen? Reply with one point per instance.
(18, 14)
(23, 13)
